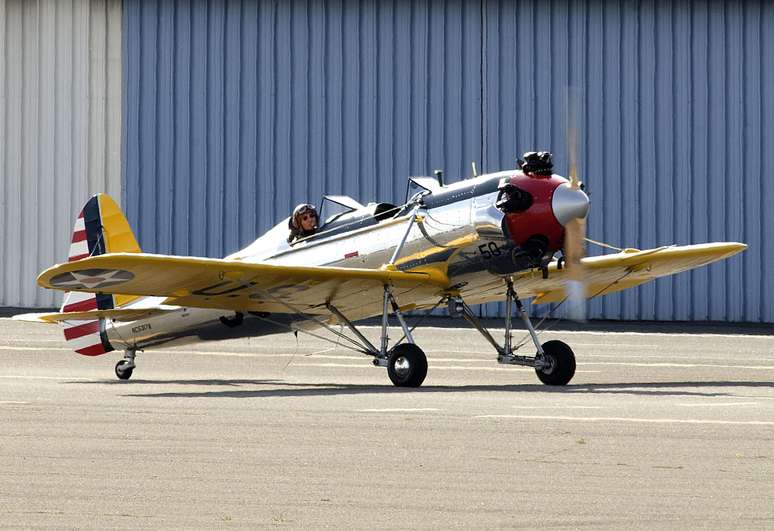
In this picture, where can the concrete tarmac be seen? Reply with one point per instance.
(668, 431)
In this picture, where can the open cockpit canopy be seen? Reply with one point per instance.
(341, 213)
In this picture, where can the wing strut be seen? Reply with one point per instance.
(398, 249)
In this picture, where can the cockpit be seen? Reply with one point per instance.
(337, 214)
(341, 213)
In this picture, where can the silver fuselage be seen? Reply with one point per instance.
(462, 228)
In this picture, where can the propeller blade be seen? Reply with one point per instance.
(574, 238)
(575, 229)
(572, 139)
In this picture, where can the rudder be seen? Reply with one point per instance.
(100, 228)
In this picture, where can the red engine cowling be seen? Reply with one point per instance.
(526, 198)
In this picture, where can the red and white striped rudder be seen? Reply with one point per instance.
(100, 228)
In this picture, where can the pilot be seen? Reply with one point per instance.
(303, 222)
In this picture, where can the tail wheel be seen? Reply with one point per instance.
(124, 370)
(560, 366)
(407, 365)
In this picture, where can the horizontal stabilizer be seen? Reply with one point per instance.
(113, 315)
(32, 317)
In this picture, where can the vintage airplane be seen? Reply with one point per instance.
(488, 238)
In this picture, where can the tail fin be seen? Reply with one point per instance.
(99, 229)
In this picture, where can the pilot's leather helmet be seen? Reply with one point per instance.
(301, 211)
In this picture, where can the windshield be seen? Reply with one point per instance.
(333, 206)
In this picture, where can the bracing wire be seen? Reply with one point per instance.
(308, 317)
(421, 320)
(604, 245)
(318, 336)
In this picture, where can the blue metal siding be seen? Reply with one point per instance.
(236, 111)
(673, 114)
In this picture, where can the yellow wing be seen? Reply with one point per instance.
(609, 273)
(241, 286)
(616, 272)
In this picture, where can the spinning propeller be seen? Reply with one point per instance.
(575, 231)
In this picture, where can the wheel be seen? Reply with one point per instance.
(561, 368)
(407, 366)
(124, 370)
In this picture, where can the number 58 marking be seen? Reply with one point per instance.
(488, 250)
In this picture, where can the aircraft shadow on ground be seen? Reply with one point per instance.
(248, 388)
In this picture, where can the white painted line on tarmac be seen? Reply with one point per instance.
(308, 353)
(59, 349)
(487, 357)
(12, 403)
(433, 367)
(633, 420)
(37, 340)
(617, 345)
(574, 345)
(28, 377)
(560, 407)
(398, 410)
(680, 355)
(196, 352)
(679, 365)
(299, 354)
(721, 404)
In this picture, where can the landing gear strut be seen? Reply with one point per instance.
(125, 367)
(406, 363)
(554, 361)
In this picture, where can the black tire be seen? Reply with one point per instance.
(407, 366)
(562, 367)
(122, 371)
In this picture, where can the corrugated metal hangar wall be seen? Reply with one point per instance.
(235, 111)
(60, 131)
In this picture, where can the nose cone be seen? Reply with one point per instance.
(569, 203)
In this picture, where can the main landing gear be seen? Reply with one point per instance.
(406, 363)
(554, 361)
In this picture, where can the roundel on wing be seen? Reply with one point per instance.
(91, 279)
